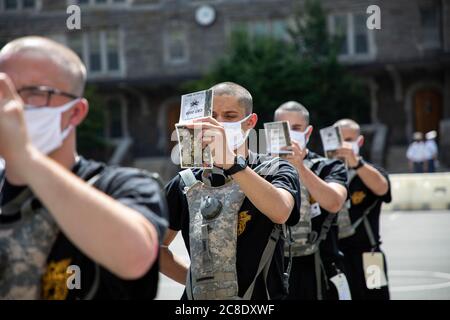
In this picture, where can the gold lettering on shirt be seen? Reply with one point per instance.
(358, 197)
(244, 217)
(54, 280)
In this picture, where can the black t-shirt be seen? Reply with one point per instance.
(329, 170)
(363, 198)
(132, 187)
(255, 227)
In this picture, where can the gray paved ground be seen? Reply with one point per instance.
(417, 245)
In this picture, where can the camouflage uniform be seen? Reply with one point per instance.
(213, 240)
(346, 229)
(24, 248)
(303, 239)
(213, 253)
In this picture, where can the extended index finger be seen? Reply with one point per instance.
(7, 89)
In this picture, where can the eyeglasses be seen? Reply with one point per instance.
(40, 96)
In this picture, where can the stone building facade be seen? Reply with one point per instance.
(139, 51)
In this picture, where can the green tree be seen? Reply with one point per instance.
(90, 134)
(305, 69)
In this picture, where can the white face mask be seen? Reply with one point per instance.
(44, 126)
(300, 137)
(355, 146)
(234, 133)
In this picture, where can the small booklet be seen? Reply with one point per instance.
(192, 154)
(331, 141)
(277, 137)
(193, 106)
(196, 105)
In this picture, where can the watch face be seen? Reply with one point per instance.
(241, 161)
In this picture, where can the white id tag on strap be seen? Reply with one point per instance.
(348, 204)
(315, 210)
(340, 281)
(373, 264)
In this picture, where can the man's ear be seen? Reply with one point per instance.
(361, 141)
(79, 112)
(309, 131)
(252, 120)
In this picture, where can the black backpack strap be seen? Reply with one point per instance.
(264, 263)
(326, 226)
(364, 219)
(318, 263)
(287, 237)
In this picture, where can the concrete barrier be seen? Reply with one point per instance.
(427, 191)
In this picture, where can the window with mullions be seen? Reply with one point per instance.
(28, 4)
(430, 22)
(361, 38)
(112, 51)
(277, 29)
(356, 40)
(99, 3)
(19, 5)
(101, 51)
(76, 44)
(116, 118)
(176, 46)
(11, 4)
(95, 55)
(340, 25)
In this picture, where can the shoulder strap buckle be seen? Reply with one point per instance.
(188, 177)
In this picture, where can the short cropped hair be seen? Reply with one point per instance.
(65, 58)
(293, 106)
(348, 123)
(243, 96)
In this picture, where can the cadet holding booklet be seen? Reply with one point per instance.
(359, 223)
(317, 268)
(231, 216)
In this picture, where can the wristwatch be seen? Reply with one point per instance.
(239, 165)
(360, 163)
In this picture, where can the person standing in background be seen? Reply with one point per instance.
(369, 187)
(417, 154)
(316, 259)
(432, 150)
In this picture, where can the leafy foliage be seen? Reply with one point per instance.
(305, 69)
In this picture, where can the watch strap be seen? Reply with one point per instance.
(360, 163)
(236, 167)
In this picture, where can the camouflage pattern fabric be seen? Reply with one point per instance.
(24, 248)
(213, 241)
(302, 236)
(345, 227)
